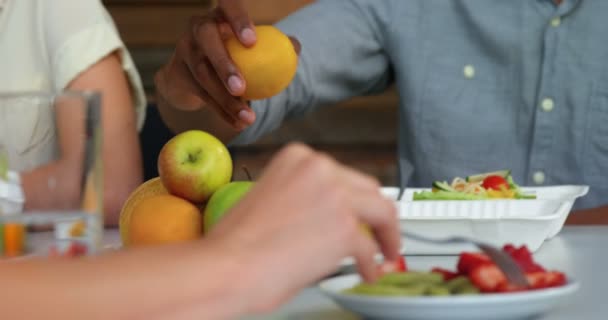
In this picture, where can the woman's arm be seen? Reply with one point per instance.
(174, 282)
(296, 224)
(54, 185)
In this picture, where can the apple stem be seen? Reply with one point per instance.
(247, 173)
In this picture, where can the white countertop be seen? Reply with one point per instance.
(578, 251)
(581, 252)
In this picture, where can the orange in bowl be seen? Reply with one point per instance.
(147, 189)
(163, 219)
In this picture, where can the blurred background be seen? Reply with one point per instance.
(360, 132)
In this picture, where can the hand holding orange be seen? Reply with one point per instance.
(269, 66)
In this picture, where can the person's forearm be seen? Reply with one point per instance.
(592, 216)
(58, 185)
(191, 281)
(53, 185)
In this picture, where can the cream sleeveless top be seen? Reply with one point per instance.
(44, 45)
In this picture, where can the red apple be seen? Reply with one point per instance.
(193, 165)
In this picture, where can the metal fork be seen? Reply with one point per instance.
(401, 191)
(502, 259)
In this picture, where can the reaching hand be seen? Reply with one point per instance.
(302, 218)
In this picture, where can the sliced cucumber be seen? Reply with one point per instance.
(482, 176)
(446, 195)
(521, 195)
(442, 185)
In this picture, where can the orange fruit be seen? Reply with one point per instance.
(147, 189)
(14, 239)
(269, 66)
(164, 219)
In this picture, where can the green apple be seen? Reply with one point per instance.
(224, 199)
(193, 165)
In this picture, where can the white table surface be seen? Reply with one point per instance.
(581, 252)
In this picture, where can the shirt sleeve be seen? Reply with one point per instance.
(78, 34)
(342, 56)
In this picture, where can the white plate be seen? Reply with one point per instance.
(521, 305)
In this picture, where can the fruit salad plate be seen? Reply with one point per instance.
(518, 305)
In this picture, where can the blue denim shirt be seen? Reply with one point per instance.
(484, 85)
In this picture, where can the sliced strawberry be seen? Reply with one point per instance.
(389, 267)
(447, 274)
(469, 260)
(505, 287)
(534, 267)
(543, 279)
(487, 277)
(523, 257)
(522, 254)
(555, 279)
(402, 264)
(536, 280)
(509, 248)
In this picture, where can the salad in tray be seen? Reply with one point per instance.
(485, 186)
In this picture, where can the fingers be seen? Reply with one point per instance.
(208, 42)
(210, 102)
(355, 179)
(364, 255)
(235, 111)
(380, 215)
(296, 44)
(235, 14)
(373, 209)
(175, 82)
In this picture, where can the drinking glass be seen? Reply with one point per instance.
(51, 174)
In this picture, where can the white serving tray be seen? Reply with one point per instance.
(567, 194)
(497, 222)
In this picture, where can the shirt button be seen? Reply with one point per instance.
(469, 71)
(538, 177)
(555, 22)
(547, 104)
